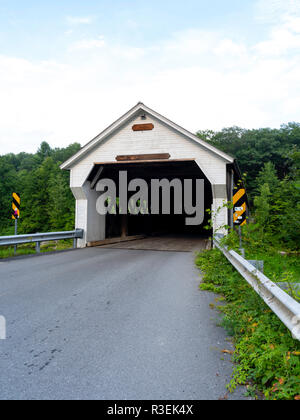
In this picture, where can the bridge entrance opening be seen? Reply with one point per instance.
(170, 227)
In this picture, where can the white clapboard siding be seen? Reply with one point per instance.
(163, 139)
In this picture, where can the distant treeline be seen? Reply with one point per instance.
(47, 203)
(269, 160)
(254, 148)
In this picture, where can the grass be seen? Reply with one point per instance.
(278, 267)
(267, 356)
(28, 249)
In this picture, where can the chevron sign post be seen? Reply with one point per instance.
(240, 213)
(16, 203)
(16, 206)
(240, 208)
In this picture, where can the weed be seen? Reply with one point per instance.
(266, 354)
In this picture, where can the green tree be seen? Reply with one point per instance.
(263, 206)
(35, 198)
(8, 185)
(61, 202)
(254, 148)
(44, 151)
(47, 202)
(268, 175)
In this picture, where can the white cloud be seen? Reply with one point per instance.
(284, 37)
(228, 47)
(198, 79)
(191, 42)
(77, 20)
(88, 44)
(274, 10)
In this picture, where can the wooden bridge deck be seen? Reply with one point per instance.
(176, 243)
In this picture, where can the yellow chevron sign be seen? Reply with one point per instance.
(16, 206)
(240, 208)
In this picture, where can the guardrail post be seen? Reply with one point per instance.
(38, 247)
(74, 243)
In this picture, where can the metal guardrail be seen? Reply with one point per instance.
(37, 238)
(283, 305)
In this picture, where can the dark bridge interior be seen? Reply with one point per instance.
(153, 225)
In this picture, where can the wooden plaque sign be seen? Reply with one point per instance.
(128, 158)
(143, 127)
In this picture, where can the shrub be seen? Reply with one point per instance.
(266, 354)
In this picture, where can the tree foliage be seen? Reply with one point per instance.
(277, 206)
(47, 203)
(270, 158)
(254, 148)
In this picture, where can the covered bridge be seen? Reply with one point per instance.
(148, 145)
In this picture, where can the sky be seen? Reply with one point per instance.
(69, 68)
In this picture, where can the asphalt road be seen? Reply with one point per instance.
(110, 324)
